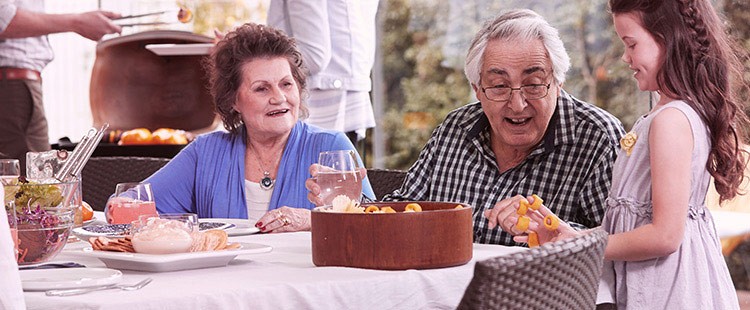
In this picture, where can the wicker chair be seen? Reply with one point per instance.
(101, 175)
(385, 181)
(559, 275)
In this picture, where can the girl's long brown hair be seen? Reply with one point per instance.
(702, 66)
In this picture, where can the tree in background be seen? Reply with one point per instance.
(419, 90)
(424, 44)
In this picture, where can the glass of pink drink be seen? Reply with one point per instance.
(131, 200)
(339, 175)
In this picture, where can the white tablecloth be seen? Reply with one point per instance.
(284, 278)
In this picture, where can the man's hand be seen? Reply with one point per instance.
(94, 25)
(504, 215)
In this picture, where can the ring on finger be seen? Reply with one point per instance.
(279, 214)
(285, 221)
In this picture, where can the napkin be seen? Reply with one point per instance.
(11, 294)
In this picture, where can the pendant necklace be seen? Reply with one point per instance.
(266, 182)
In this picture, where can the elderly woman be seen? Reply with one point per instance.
(258, 169)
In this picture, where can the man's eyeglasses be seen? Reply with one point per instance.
(503, 93)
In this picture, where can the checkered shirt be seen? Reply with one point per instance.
(571, 169)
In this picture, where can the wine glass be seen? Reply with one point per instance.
(10, 169)
(339, 175)
(130, 201)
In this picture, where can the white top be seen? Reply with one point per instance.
(257, 200)
(11, 295)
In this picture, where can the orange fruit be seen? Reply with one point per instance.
(135, 137)
(178, 137)
(168, 136)
(87, 212)
(161, 136)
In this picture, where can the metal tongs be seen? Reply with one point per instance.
(81, 154)
(141, 23)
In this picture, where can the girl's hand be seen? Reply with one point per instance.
(284, 219)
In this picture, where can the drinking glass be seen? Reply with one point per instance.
(42, 167)
(10, 169)
(130, 201)
(339, 175)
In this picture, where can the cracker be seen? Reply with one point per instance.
(217, 239)
(232, 246)
(199, 241)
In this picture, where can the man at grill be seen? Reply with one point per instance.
(525, 136)
(24, 52)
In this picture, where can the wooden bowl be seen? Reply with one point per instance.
(439, 236)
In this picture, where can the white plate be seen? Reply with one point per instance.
(65, 278)
(171, 262)
(241, 226)
(180, 49)
(233, 227)
(96, 230)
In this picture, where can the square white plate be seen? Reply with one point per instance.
(180, 49)
(172, 262)
(65, 278)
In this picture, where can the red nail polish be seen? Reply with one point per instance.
(263, 228)
(258, 224)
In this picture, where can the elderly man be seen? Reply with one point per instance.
(525, 135)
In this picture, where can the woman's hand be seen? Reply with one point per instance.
(284, 219)
(313, 188)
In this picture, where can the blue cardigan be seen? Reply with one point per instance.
(208, 176)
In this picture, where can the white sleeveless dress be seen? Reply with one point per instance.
(696, 275)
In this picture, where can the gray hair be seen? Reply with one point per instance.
(517, 24)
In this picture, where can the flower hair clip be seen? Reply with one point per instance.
(628, 141)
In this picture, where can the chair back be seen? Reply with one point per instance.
(101, 175)
(385, 181)
(556, 275)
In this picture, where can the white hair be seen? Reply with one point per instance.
(519, 24)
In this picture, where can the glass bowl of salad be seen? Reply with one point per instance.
(44, 215)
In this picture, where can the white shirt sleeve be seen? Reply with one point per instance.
(308, 22)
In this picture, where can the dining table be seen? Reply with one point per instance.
(282, 278)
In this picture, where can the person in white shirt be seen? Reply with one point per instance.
(337, 41)
(24, 52)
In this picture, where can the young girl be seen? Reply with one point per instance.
(663, 251)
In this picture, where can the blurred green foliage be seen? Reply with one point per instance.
(423, 83)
